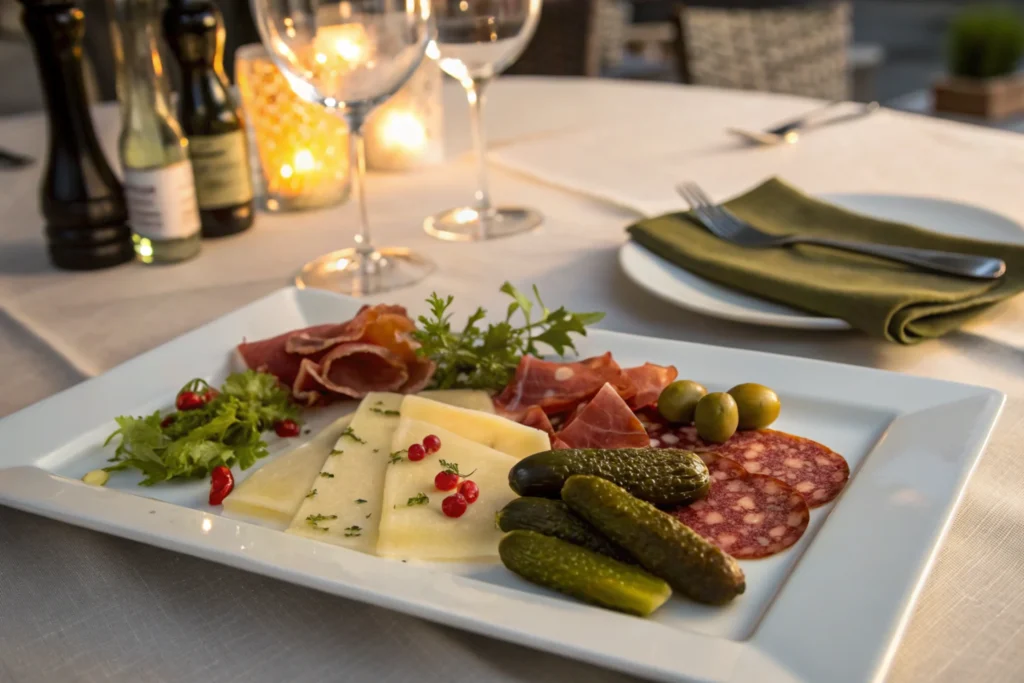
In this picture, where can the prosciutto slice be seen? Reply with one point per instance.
(558, 387)
(648, 382)
(606, 422)
(374, 351)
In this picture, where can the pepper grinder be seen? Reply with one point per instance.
(81, 199)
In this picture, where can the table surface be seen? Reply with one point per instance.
(81, 606)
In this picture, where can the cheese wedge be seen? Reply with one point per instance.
(422, 531)
(463, 398)
(342, 504)
(273, 492)
(490, 430)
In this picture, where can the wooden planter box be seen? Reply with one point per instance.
(993, 99)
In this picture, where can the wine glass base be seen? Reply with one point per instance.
(466, 224)
(346, 272)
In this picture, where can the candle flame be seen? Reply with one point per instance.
(403, 129)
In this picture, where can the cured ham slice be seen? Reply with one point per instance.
(374, 351)
(558, 387)
(606, 422)
(648, 382)
(748, 516)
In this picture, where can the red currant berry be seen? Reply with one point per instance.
(431, 443)
(469, 490)
(454, 505)
(286, 428)
(210, 394)
(167, 421)
(416, 452)
(446, 481)
(188, 400)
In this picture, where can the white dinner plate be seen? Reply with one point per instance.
(831, 608)
(683, 288)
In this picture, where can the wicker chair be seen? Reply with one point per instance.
(565, 43)
(799, 50)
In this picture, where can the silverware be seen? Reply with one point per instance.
(789, 132)
(10, 159)
(727, 226)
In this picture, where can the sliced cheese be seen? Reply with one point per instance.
(343, 503)
(463, 398)
(422, 531)
(273, 492)
(490, 430)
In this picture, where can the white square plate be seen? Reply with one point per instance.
(831, 608)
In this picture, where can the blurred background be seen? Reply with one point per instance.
(892, 51)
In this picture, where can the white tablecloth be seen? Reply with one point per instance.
(80, 606)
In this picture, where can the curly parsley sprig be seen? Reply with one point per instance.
(477, 357)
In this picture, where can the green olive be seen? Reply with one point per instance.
(716, 417)
(759, 406)
(679, 399)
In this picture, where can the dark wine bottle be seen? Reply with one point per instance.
(211, 120)
(81, 199)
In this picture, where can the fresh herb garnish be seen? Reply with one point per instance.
(353, 531)
(376, 450)
(418, 499)
(314, 521)
(381, 411)
(350, 434)
(335, 451)
(453, 468)
(326, 475)
(475, 358)
(396, 456)
(226, 430)
(360, 501)
(311, 493)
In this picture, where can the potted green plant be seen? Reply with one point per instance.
(985, 47)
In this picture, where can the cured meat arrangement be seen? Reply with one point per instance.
(374, 351)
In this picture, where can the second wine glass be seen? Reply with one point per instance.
(476, 41)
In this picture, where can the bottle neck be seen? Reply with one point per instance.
(147, 91)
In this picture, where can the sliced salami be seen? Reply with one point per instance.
(750, 516)
(721, 468)
(813, 470)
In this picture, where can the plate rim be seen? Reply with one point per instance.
(668, 654)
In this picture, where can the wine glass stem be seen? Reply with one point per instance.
(475, 91)
(357, 173)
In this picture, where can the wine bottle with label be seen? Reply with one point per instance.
(158, 182)
(210, 118)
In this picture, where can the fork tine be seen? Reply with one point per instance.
(727, 222)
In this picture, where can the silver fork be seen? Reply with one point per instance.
(726, 225)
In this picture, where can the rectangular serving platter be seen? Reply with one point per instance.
(830, 608)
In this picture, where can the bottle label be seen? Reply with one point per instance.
(162, 201)
(221, 165)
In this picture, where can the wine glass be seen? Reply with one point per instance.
(477, 40)
(349, 56)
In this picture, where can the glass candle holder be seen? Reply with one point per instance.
(302, 149)
(407, 131)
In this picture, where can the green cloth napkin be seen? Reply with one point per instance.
(882, 298)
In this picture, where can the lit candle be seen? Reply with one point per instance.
(406, 131)
(302, 148)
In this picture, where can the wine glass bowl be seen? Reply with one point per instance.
(349, 56)
(476, 41)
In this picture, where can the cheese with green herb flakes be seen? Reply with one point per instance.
(414, 528)
(489, 430)
(354, 472)
(273, 492)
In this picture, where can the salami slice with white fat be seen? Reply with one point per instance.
(665, 435)
(813, 470)
(750, 516)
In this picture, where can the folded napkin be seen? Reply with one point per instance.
(880, 297)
